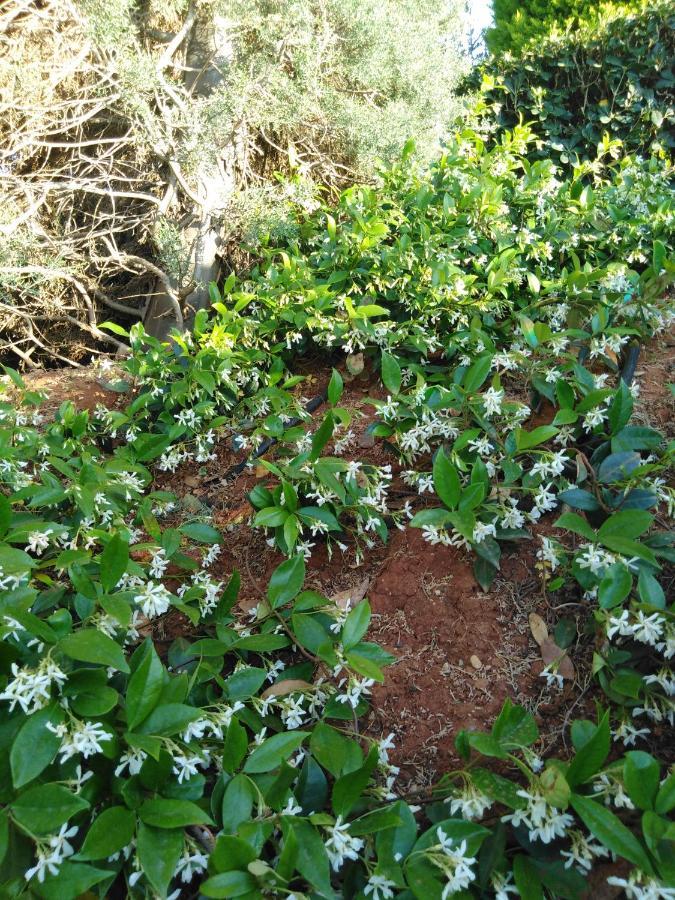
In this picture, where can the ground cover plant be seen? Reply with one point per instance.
(501, 302)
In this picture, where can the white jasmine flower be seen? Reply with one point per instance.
(133, 760)
(482, 530)
(190, 864)
(471, 803)
(627, 733)
(341, 845)
(502, 885)
(639, 886)
(159, 563)
(38, 541)
(583, 852)
(380, 887)
(154, 600)
(544, 822)
(492, 400)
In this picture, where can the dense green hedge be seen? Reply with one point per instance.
(609, 75)
(518, 21)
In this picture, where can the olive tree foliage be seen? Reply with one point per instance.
(141, 139)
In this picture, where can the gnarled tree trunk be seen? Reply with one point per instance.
(210, 189)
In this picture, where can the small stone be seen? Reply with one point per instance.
(192, 503)
(475, 662)
(366, 440)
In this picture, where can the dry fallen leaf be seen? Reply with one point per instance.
(246, 604)
(237, 515)
(286, 686)
(351, 596)
(538, 628)
(554, 655)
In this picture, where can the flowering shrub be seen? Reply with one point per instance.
(486, 291)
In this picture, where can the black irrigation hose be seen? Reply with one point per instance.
(629, 366)
(237, 469)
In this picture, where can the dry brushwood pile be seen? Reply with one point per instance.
(361, 586)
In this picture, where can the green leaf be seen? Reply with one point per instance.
(112, 830)
(312, 859)
(273, 751)
(391, 373)
(4, 834)
(322, 435)
(35, 746)
(72, 880)
(356, 624)
(641, 778)
(515, 726)
(573, 522)
(92, 646)
(286, 581)
(5, 514)
(145, 688)
(446, 480)
(375, 821)
(159, 850)
(621, 408)
(172, 813)
(526, 440)
(229, 884)
(650, 590)
(629, 548)
(477, 374)
(271, 517)
(527, 878)
(45, 808)
(335, 751)
(399, 839)
(626, 523)
(618, 466)
(235, 746)
(243, 683)
(484, 572)
(114, 561)
(348, 788)
(579, 499)
(335, 388)
(610, 831)
(237, 802)
(231, 853)
(591, 756)
(636, 437)
(168, 719)
(615, 586)
(200, 532)
(665, 799)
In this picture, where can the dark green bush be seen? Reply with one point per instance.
(613, 75)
